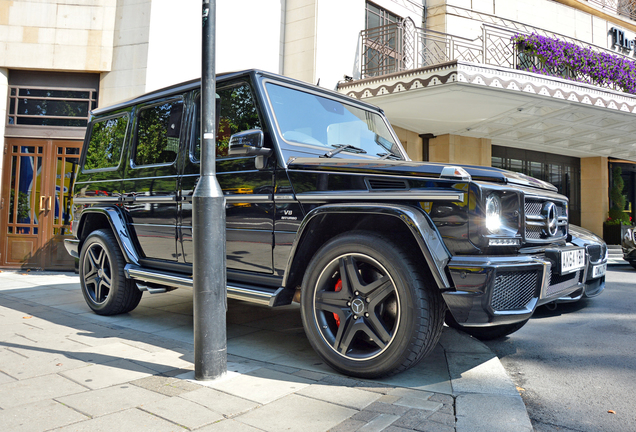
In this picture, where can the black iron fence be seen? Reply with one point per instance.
(403, 46)
(626, 8)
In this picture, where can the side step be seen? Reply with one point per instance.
(236, 291)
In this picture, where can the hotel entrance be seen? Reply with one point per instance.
(36, 202)
(46, 118)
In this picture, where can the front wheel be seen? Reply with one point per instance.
(633, 264)
(485, 333)
(104, 285)
(369, 309)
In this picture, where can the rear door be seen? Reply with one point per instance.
(151, 178)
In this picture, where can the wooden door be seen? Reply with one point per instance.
(59, 187)
(35, 209)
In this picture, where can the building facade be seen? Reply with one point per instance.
(505, 83)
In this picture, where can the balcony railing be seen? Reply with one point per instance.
(402, 46)
(626, 8)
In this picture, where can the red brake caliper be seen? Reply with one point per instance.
(337, 288)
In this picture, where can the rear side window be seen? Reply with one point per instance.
(158, 130)
(106, 143)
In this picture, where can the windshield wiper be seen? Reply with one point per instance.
(389, 155)
(342, 147)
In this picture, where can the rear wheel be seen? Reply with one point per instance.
(104, 285)
(367, 308)
(633, 264)
(485, 333)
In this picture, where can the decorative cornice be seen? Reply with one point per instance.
(495, 78)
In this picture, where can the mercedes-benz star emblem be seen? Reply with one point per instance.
(357, 306)
(549, 212)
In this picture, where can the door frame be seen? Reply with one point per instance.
(36, 248)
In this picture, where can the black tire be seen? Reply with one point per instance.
(101, 269)
(485, 333)
(633, 264)
(380, 322)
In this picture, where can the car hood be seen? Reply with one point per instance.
(415, 169)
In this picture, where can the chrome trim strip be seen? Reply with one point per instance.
(152, 225)
(247, 294)
(95, 200)
(318, 197)
(154, 198)
(248, 198)
(240, 198)
(280, 197)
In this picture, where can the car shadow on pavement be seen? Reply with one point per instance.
(48, 316)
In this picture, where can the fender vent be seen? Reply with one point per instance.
(386, 184)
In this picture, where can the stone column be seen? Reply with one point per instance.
(4, 94)
(455, 149)
(411, 142)
(594, 193)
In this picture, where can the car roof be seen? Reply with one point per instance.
(196, 83)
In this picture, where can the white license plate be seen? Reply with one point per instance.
(599, 270)
(572, 260)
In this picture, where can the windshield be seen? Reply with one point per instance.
(315, 121)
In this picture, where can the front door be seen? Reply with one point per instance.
(37, 184)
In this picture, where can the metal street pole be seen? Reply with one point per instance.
(208, 226)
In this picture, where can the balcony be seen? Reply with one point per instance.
(626, 8)
(504, 85)
(402, 47)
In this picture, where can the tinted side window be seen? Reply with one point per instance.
(238, 113)
(106, 143)
(158, 129)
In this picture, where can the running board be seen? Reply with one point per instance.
(235, 291)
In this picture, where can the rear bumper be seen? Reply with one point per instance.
(505, 290)
(72, 247)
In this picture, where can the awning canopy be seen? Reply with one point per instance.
(512, 108)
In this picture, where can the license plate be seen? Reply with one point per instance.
(572, 260)
(599, 270)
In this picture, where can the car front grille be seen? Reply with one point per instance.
(535, 221)
(514, 290)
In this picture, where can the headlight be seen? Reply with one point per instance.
(493, 214)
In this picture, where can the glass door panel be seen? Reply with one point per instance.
(22, 203)
(64, 167)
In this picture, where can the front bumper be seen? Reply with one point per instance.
(505, 290)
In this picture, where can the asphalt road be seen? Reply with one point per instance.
(576, 365)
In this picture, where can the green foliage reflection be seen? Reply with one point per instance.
(107, 140)
(237, 114)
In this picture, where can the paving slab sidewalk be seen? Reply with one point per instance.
(64, 368)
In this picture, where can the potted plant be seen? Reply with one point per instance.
(617, 216)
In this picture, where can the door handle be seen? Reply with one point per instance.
(45, 203)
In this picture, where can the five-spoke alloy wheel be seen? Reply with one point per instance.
(104, 285)
(367, 308)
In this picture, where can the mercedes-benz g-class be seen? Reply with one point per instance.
(324, 207)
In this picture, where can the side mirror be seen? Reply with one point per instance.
(250, 143)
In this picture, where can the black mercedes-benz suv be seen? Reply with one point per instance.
(324, 208)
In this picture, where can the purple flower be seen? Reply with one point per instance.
(551, 56)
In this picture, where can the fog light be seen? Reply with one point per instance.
(503, 242)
